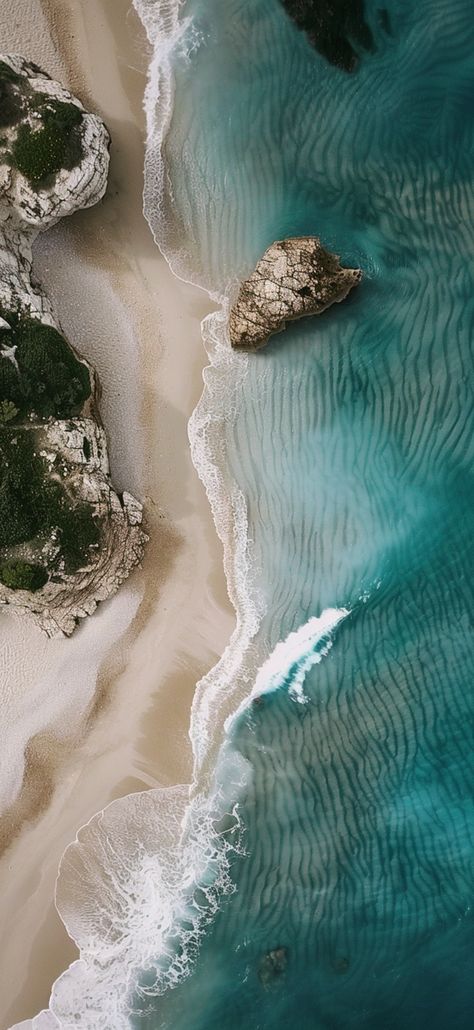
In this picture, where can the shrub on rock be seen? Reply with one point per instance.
(40, 153)
(23, 575)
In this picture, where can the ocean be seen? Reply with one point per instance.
(323, 875)
(350, 438)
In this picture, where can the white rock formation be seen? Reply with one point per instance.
(77, 446)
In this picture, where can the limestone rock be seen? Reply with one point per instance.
(294, 278)
(54, 473)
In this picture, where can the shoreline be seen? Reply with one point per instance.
(183, 566)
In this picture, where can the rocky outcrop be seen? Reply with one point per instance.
(67, 539)
(294, 278)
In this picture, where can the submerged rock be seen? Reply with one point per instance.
(341, 963)
(272, 966)
(337, 29)
(67, 539)
(294, 278)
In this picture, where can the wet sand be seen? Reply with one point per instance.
(107, 712)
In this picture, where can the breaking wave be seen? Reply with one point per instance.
(145, 876)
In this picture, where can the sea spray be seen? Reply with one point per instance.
(354, 461)
(292, 658)
(218, 693)
(125, 886)
(146, 875)
(136, 889)
(230, 680)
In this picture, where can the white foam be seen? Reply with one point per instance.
(145, 876)
(136, 890)
(293, 657)
(126, 888)
(168, 35)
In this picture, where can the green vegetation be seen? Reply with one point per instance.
(49, 136)
(79, 531)
(60, 115)
(22, 575)
(32, 504)
(40, 376)
(7, 74)
(10, 386)
(40, 153)
(11, 96)
(49, 380)
(20, 478)
(8, 412)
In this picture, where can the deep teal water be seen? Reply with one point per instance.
(353, 446)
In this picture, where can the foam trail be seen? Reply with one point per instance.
(126, 886)
(297, 654)
(228, 683)
(292, 658)
(143, 879)
(138, 887)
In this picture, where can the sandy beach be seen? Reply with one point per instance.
(107, 712)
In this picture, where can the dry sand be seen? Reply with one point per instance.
(107, 712)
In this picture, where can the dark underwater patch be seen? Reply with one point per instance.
(336, 28)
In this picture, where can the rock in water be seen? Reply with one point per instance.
(338, 29)
(294, 278)
(272, 966)
(67, 539)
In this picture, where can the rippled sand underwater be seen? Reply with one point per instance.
(352, 443)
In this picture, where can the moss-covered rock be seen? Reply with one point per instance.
(8, 74)
(12, 103)
(23, 575)
(10, 386)
(20, 479)
(67, 538)
(48, 137)
(40, 152)
(8, 412)
(33, 504)
(45, 378)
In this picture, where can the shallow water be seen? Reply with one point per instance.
(351, 441)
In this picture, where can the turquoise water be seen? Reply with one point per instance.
(351, 440)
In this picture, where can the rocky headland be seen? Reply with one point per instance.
(67, 539)
(294, 278)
